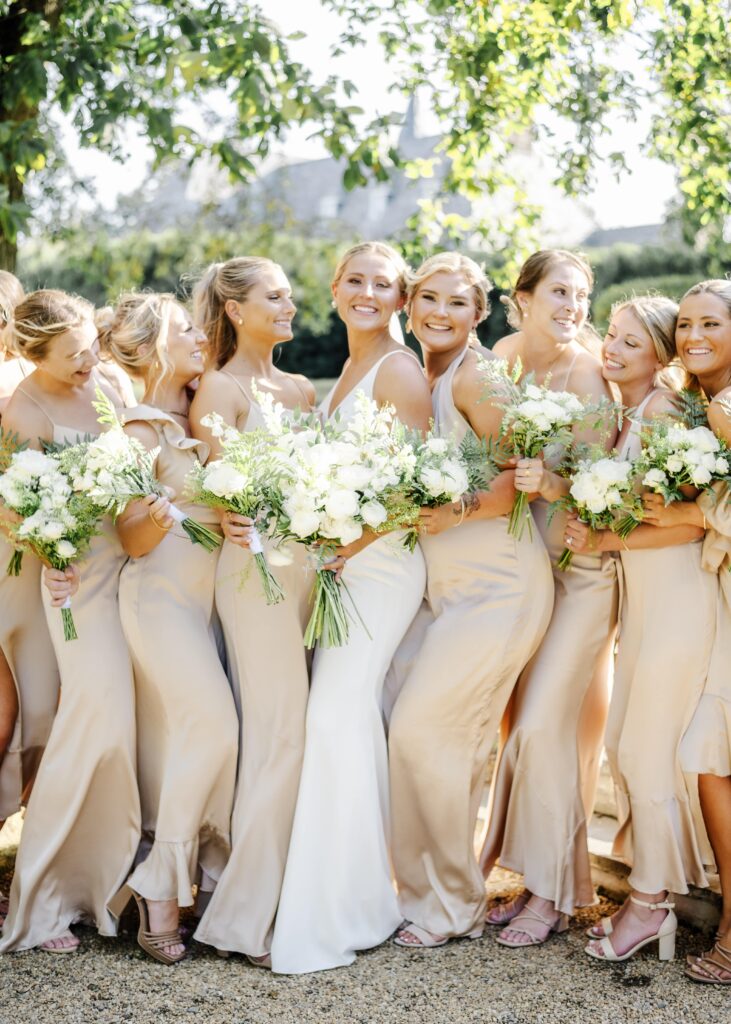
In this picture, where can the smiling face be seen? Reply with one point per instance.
(628, 352)
(72, 356)
(368, 292)
(559, 303)
(185, 345)
(444, 311)
(268, 309)
(703, 334)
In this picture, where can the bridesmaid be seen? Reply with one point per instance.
(490, 598)
(338, 895)
(245, 308)
(537, 818)
(81, 828)
(658, 675)
(703, 337)
(186, 720)
(28, 672)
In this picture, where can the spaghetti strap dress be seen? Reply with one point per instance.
(82, 824)
(491, 597)
(187, 731)
(338, 894)
(269, 675)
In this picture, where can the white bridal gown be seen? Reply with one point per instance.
(338, 894)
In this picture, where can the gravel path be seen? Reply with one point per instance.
(112, 982)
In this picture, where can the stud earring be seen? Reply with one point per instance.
(239, 321)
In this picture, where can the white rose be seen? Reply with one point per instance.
(704, 439)
(613, 497)
(65, 549)
(354, 477)
(709, 461)
(722, 465)
(224, 480)
(341, 503)
(304, 522)
(654, 478)
(532, 391)
(373, 513)
(674, 464)
(596, 504)
(347, 531)
(436, 445)
(700, 476)
(52, 530)
(433, 482)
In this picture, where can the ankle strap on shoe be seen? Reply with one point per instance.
(662, 905)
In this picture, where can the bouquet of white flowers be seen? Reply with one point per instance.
(333, 481)
(603, 497)
(9, 445)
(534, 417)
(238, 482)
(114, 469)
(57, 523)
(675, 456)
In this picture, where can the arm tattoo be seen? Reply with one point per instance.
(471, 503)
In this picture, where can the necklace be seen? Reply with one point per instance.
(174, 412)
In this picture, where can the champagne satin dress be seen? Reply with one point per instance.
(187, 730)
(490, 598)
(268, 670)
(706, 746)
(666, 635)
(26, 644)
(82, 824)
(542, 787)
(338, 894)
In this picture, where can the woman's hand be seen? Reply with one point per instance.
(237, 529)
(530, 476)
(580, 538)
(158, 509)
(61, 584)
(677, 513)
(436, 520)
(335, 564)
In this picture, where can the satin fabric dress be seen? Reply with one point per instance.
(338, 894)
(269, 674)
(490, 597)
(706, 746)
(187, 730)
(543, 783)
(26, 644)
(665, 640)
(82, 824)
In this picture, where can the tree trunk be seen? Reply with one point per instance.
(8, 247)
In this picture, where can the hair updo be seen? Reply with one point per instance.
(43, 316)
(135, 334)
(220, 283)
(532, 273)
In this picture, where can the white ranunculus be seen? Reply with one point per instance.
(347, 531)
(674, 464)
(224, 480)
(65, 549)
(436, 445)
(596, 504)
(373, 513)
(722, 465)
(433, 482)
(709, 461)
(704, 439)
(700, 476)
(613, 497)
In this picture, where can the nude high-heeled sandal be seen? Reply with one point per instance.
(153, 943)
(664, 936)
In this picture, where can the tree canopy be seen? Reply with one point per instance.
(558, 71)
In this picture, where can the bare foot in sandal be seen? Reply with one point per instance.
(65, 943)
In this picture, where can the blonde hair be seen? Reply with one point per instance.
(11, 294)
(532, 273)
(658, 315)
(135, 334)
(221, 282)
(452, 263)
(377, 249)
(43, 316)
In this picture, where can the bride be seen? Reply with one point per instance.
(338, 895)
